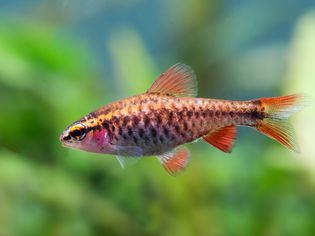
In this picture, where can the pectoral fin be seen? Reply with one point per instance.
(127, 161)
(131, 151)
(128, 155)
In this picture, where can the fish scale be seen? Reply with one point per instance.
(168, 115)
(158, 123)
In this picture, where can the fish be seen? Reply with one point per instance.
(168, 115)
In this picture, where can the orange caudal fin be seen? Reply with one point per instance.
(279, 130)
(275, 123)
(284, 106)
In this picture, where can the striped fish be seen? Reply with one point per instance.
(159, 121)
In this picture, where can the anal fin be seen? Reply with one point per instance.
(175, 161)
(222, 138)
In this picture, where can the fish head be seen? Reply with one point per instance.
(81, 135)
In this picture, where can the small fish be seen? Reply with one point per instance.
(168, 115)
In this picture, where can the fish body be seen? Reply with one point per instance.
(168, 115)
(158, 123)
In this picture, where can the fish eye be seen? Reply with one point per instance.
(78, 132)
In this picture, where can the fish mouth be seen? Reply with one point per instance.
(62, 137)
(65, 144)
(65, 139)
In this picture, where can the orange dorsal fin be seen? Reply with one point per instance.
(175, 161)
(179, 81)
(222, 138)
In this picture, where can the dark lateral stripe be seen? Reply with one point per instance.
(257, 115)
(253, 113)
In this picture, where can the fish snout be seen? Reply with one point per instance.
(64, 138)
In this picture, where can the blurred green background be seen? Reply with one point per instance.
(60, 59)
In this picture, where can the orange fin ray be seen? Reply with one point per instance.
(279, 130)
(277, 111)
(175, 161)
(284, 106)
(222, 138)
(179, 81)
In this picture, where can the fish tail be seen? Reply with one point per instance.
(274, 123)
